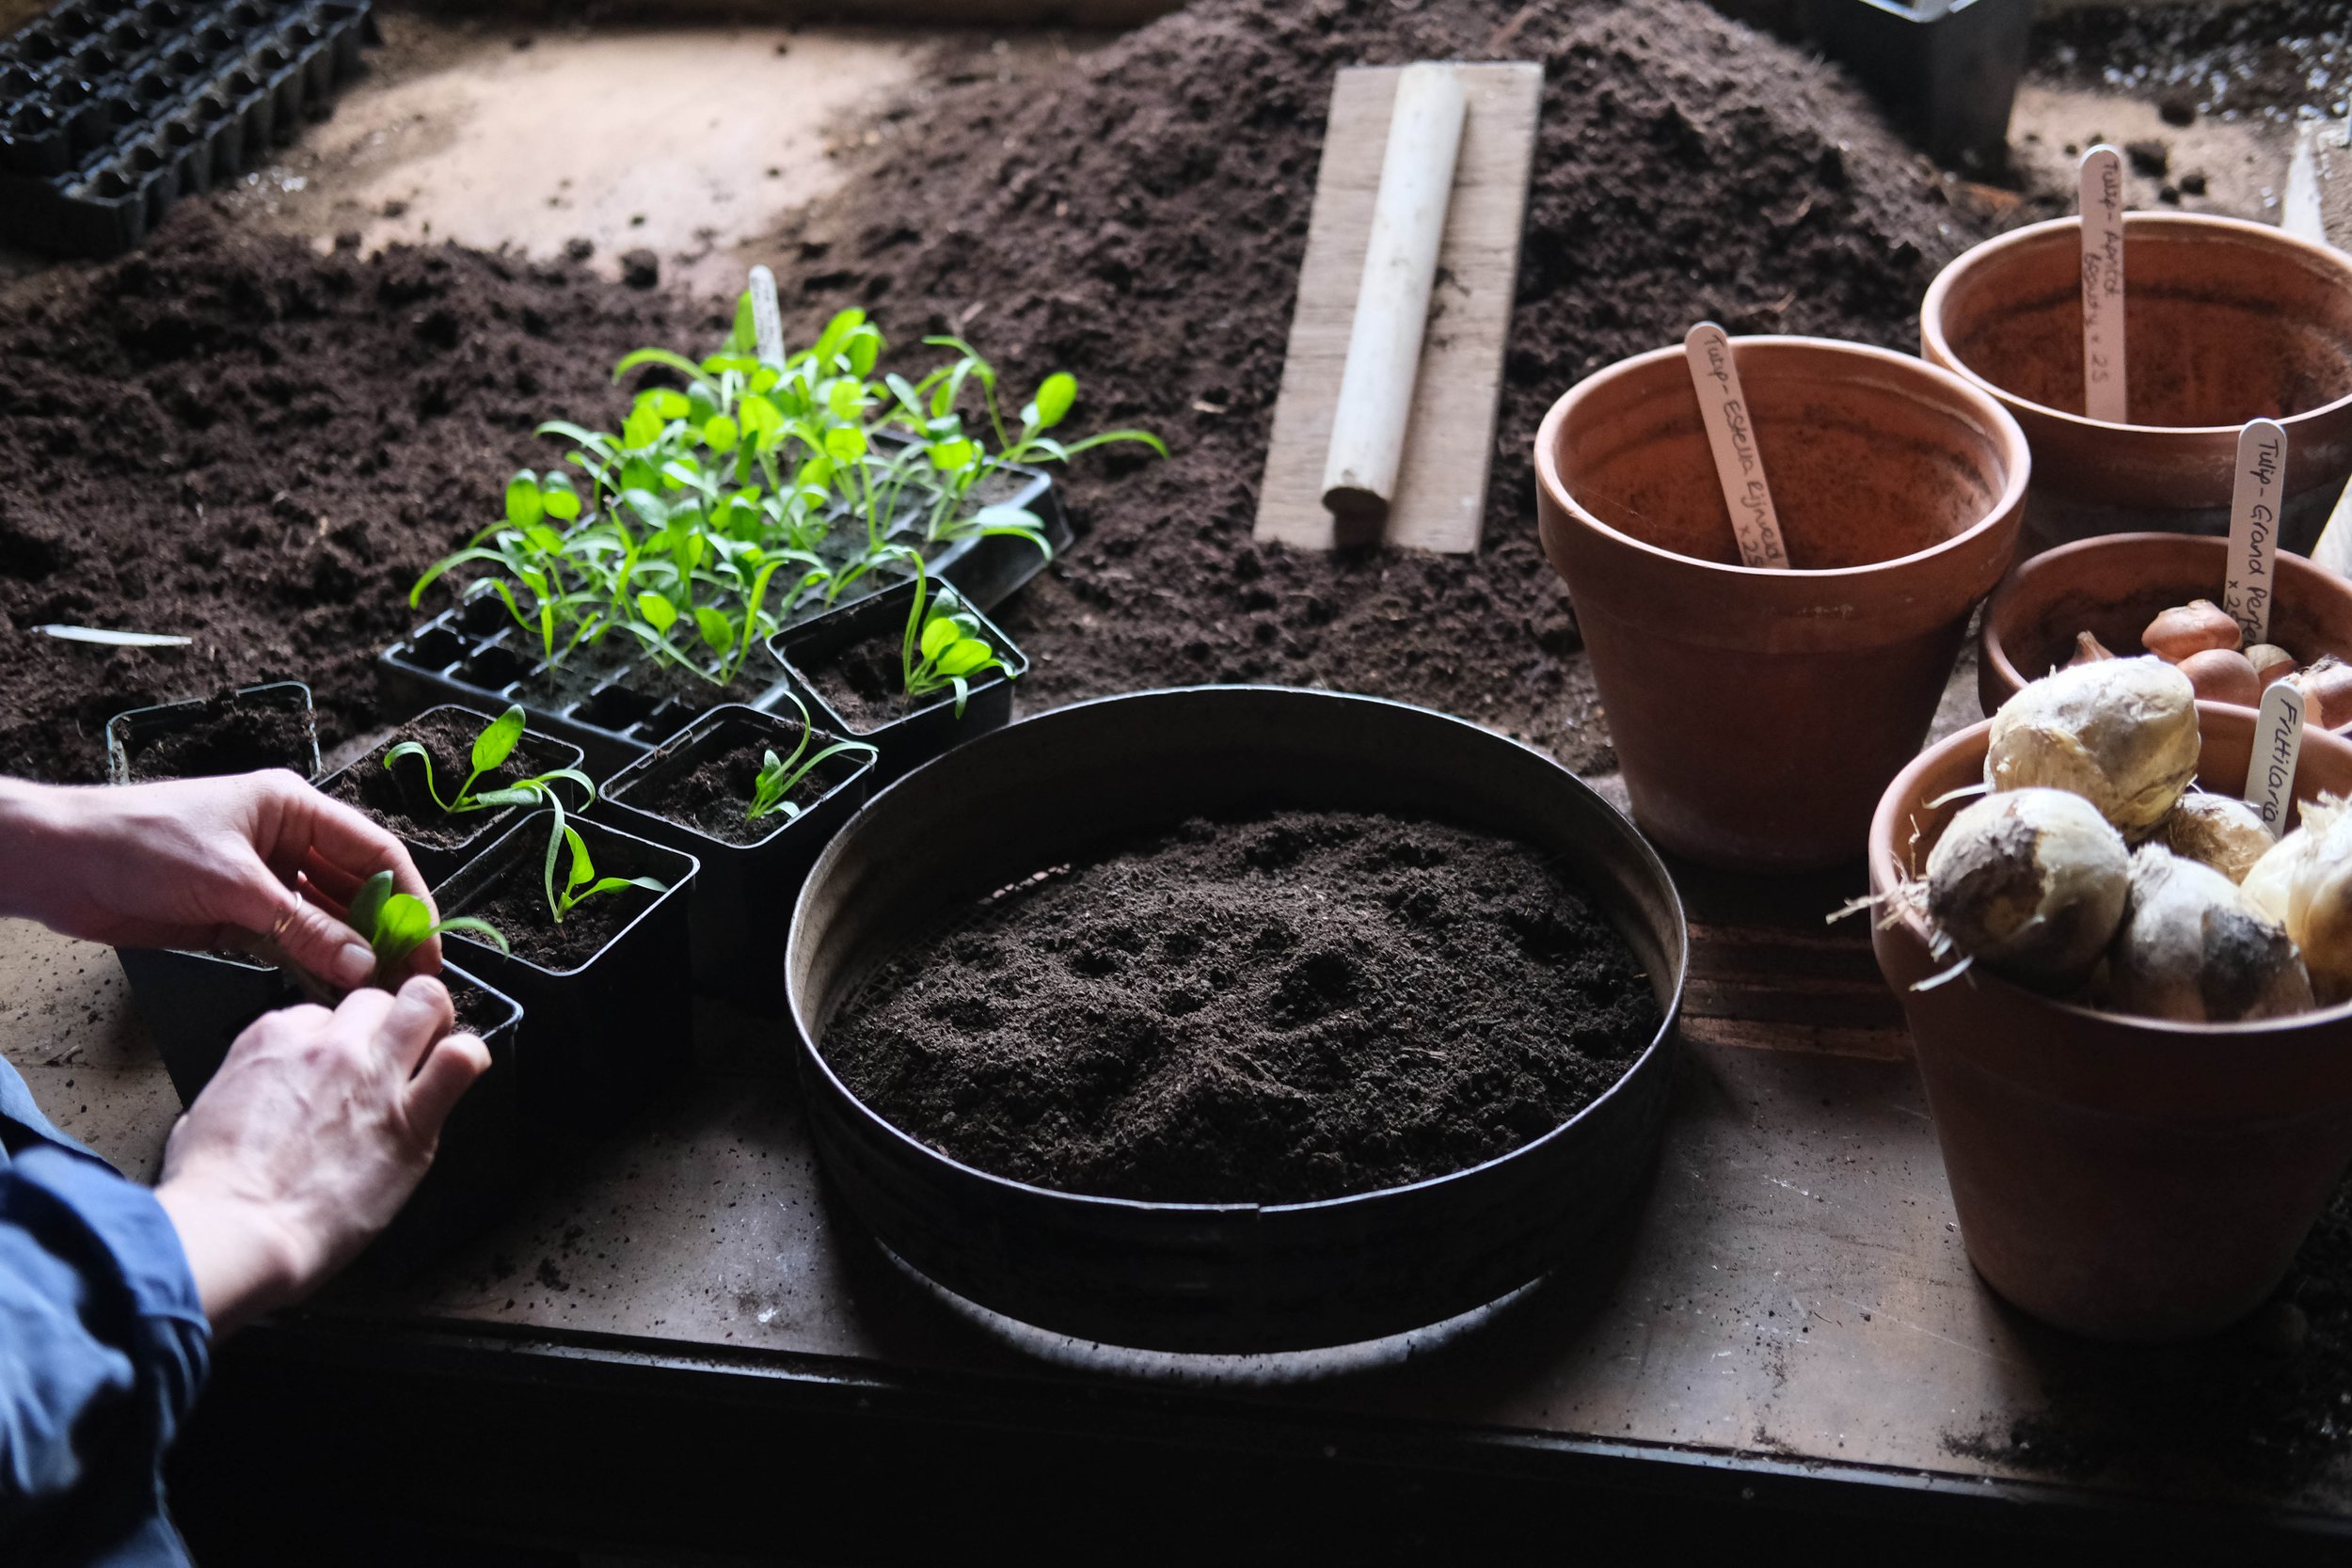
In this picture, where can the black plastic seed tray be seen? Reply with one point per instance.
(615, 708)
(110, 110)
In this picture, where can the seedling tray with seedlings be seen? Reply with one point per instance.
(112, 109)
(754, 797)
(473, 763)
(196, 1005)
(236, 731)
(606, 990)
(744, 493)
(853, 666)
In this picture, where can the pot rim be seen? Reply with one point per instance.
(571, 819)
(1996, 652)
(812, 1052)
(1997, 418)
(638, 770)
(2258, 234)
(1887, 872)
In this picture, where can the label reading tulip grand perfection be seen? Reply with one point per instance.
(2251, 584)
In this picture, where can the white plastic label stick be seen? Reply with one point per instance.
(1738, 467)
(2253, 561)
(2103, 286)
(2277, 745)
(767, 317)
(1376, 403)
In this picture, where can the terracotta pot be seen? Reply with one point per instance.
(2119, 1177)
(2224, 321)
(2113, 587)
(1758, 714)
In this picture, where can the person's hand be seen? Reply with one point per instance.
(307, 1142)
(257, 861)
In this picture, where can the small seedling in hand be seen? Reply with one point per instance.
(943, 645)
(780, 776)
(491, 748)
(580, 881)
(396, 925)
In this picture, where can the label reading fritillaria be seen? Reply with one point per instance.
(1738, 467)
(2278, 746)
(2102, 199)
(2253, 564)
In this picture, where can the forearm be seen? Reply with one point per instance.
(36, 826)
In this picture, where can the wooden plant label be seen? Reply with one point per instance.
(2278, 746)
(2103, 285)
(1738, 467)
(2253, 561)
(767, 317)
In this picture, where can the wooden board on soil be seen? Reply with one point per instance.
(1441, 485)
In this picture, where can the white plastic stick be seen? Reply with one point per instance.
(2102, 201)
(115, 639)
(2278, 746)
(1392, 301)
(767, 317)
(1738, 467)
(2252, 563)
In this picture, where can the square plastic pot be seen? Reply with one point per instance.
(435, 861)
(129, 733)
(913, 739)
(742, 908)
(196, 1005)
(599, 1037)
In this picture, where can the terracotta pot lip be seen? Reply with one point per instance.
(2016, 454)
(1993, 250)
(1996, 652)
(1886, 871)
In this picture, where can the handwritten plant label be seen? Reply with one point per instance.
(2254, 562)
(767, 317)
(2278, 746)
(1738, 467)
(2103, 285)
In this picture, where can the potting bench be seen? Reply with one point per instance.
(679, 1341)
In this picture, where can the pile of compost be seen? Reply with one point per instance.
(233, 438)
(1280, 1009)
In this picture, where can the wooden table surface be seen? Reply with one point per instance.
(1789, 1307)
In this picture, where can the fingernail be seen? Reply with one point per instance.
(354, 963)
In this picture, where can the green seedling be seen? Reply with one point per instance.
(580, 881)
(491, 748)
(944, 647)
(396, 925)
(780, 776)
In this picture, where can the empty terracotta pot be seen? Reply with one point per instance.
(1757, 713)
(2223, 322)
(2120, 1176)
(2113, 587)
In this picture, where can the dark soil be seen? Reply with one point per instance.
(1275, 1010)
(227, 736)
(712, 795)
(516, 906)
(231, 436)
(2263, 1406)
(2267, 59)
(864, 683)
(477, 1010)
(400, 799)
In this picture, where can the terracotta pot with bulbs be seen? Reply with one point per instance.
(1757, 713)
(2125, 1176)
(2114, 589)
(2224, 321)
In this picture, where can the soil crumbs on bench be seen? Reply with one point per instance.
(231, 735)
(1295, 1008)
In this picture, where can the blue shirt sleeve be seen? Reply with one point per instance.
(104, 1344)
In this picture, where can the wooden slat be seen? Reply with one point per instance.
(1441, 488)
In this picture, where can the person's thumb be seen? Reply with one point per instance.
(447, 1073)
(307, 936)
